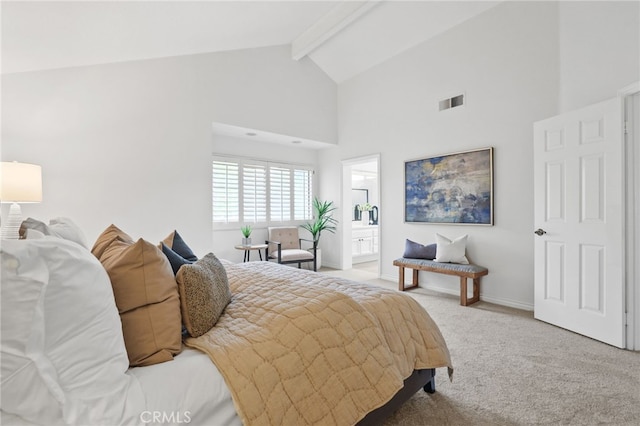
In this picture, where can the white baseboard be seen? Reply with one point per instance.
(330, 265)
(496, 300)
(363, 259)
(389, 278)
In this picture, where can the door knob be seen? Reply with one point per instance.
(540, 232)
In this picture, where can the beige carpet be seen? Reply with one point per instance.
(511, 369)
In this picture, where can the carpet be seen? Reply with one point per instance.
(511, 369)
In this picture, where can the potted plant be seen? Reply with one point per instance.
(366, 216)
(246, 233)
(323, 221)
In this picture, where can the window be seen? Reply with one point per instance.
(280, 191)
(226, 192)
(302, 192)
(254, 191)
(259, 192)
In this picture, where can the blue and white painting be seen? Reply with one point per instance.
(454, 188)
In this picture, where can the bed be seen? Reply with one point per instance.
(290, 347)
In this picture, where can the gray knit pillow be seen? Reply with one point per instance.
(204, 293)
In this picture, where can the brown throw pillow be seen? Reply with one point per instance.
(204, 293)
(107, 237)
(147, 299)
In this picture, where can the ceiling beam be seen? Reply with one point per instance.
(326, 27)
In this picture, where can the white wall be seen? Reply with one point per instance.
(599, 47)
(131, 143)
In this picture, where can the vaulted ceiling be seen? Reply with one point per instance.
(342, 38)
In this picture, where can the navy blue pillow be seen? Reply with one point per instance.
(179, 246)
(175, 259)
(413, 250)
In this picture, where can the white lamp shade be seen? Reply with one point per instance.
(20, 182)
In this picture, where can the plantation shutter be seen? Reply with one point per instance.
(226, 191)
(254, 193)
(258, 192)
(302, 190)
(280, 192)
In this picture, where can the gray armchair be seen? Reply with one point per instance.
(285, 246)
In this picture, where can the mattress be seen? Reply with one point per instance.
(189, 389)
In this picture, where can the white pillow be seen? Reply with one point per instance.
(451, 251)
(67, 229)
(60, 227)
(63, 354)
(32, 234)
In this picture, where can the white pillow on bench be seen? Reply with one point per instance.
(451, 251)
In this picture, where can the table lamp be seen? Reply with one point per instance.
(19, 183)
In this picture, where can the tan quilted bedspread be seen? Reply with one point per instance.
(297, 347)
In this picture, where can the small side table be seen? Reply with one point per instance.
(247, 250)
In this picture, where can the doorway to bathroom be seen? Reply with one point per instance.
(362, 215)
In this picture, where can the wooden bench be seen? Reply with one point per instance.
(463, 271)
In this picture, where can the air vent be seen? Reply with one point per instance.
(456, 101)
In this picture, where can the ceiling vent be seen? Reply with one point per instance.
(449, 103)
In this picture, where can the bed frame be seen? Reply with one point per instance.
(425, 379)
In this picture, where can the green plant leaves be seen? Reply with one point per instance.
(324, 221)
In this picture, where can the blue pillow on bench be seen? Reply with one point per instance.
(413, 250)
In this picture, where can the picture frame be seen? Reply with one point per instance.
(450, 189)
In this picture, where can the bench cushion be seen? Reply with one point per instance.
(453, 267)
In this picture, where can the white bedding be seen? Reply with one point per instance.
(187, 390)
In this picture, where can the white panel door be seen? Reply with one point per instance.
(578, 179)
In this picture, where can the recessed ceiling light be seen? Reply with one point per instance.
(296, 141)
(250, 134)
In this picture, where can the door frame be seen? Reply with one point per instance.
(347, 164)
(631, 141)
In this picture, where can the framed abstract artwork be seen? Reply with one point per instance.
(450, 189)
